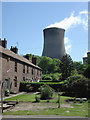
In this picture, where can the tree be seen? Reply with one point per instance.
(49, 65)
(56, 62)
(45, 63)
(79, 67)
(66, 66)
(87, 70)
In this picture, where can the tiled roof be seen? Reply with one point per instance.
(16, 56)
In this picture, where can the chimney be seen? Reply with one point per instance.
(14, 49)
(27, 57)
(34, 60)
(3, 43)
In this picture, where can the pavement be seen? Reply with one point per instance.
(41, 117)
(13, 95)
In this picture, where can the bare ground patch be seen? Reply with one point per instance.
(36, 106)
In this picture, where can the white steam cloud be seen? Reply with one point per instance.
(69, 22)
(67, 44)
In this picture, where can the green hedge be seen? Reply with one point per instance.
(57, 86)
(49, 81)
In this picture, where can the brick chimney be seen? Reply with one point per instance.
(27, 57)
(14, 49)
(3, 43)
(34, 60)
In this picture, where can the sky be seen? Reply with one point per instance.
(23, 24)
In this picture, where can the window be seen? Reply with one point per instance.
(37, 72)
(27, 69)
(23, 68)
(15, 81)
(15, 66)
(23, 78)
(32, 71)
(40, 73)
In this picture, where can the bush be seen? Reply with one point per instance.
(78, 84)
(88, 101)
(81, 101)
(46, 92)
(7, 92)
(29, 88)
(37, 99)
(48, 101)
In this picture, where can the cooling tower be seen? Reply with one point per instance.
(54, 43)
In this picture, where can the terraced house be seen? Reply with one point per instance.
(16, 68)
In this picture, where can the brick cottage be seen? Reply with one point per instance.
(16, 68)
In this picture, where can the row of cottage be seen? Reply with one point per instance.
(16, 68)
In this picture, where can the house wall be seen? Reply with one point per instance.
(8, 73)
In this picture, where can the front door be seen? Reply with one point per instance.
(8, 82)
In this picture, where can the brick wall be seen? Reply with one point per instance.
(8, 72)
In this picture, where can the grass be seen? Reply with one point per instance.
(31, 98)
(79, 109)
(52, 111)
(22, 98)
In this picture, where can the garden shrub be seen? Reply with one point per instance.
(47, 101)
(46, 92)
(78, 85)
(7, 92)
(29, 88)
(37, 99)
(81, 101)
(88, 101)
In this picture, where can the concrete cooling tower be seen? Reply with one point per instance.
(54, 43)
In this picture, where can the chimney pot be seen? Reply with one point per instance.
(34, 60)
(14, 49)
(3, 43)
(27, 57)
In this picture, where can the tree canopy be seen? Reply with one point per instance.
(66, 66)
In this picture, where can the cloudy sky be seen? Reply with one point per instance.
(23, 24)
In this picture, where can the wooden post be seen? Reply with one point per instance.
(1, 97)
(58, 100)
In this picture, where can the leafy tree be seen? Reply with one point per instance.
(56, 76)
(79, 67)
(45, 63)
(56, 62)
(66, 66)
(46, 77)
(87, 70)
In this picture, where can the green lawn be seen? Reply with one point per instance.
(76, 111)
(79, 109)
(23, 98)
(31, 98)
